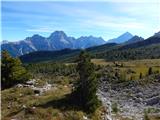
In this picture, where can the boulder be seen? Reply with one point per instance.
(31, 82)
(19, 86)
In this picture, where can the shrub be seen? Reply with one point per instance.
(146, 117)
(114, 107)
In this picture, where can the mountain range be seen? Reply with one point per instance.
(58, 40)
(135, 48)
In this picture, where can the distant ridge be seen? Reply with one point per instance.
(134, 39)
(58, 40)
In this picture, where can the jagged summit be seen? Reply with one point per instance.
(122, 38)
(57, 33)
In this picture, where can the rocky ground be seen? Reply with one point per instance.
(132, 98)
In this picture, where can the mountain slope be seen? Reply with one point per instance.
(145, 52)
(149, 41)
(122, 38)
(39, 42)
(149, 48)
(58, 40)
(41, 56)
(61, 55)
(134, 39)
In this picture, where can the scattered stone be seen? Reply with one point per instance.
(26, 85)
(8, 106)
(36, 94)
(19, 86)
(85, 118)
(31, 82)
(24, 107)
(20, 95)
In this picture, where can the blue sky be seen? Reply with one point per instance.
(107, 19)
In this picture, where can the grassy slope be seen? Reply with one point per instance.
(136, 66)
(50, 106)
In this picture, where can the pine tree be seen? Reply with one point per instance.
(12, 71)
(87, 85)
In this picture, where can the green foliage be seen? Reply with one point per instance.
(122, 77)
(87, 85)
(55, 56)
(114, 107)
(146, 117)
(51, 68)
(12, 71)
(148, 52)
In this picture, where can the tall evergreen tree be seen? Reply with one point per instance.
(87, 85)
(12, 71)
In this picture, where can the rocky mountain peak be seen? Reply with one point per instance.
(122, 38)
(58, 34)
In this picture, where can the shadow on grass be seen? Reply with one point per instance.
(65, 103)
